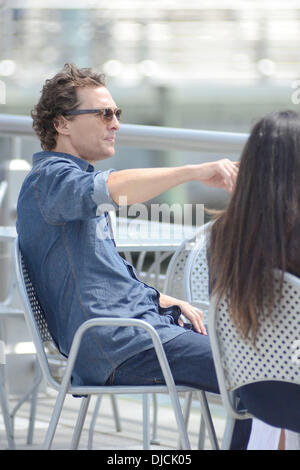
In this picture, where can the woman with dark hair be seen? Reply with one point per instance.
(258, 232)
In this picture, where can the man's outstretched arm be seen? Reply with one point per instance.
(141, 184)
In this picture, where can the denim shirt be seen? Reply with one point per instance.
(67, 243)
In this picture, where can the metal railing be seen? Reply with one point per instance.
(147, 137)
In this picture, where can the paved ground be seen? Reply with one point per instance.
(105, 435)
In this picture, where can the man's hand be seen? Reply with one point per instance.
(219, 174)
(193, 314)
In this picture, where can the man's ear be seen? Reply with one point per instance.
(62, 125)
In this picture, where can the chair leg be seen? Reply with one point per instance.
(93, 421)
(154, 439)
(33, 392)
(54, 420)
(116, 413)
(95, 414)
(201, 436)
(38, 376)
(208, 420)
(146, 422)
(226, 441)
(187, 409)
(5, 411)
(85, 401)
(183, 435)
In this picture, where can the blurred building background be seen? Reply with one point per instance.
(198, 64)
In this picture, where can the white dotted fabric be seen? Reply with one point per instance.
(275, 355)
(199, 277)
(175, 276)
(197, 273)
(36, 307)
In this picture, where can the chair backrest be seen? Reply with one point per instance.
(34, 314)
(174, 283)
(273, 356)
(196, 273)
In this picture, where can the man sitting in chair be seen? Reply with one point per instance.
(67, 243)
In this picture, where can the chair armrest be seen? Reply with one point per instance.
(160, 354)
(119, 322)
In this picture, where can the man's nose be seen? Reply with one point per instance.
(115, 123)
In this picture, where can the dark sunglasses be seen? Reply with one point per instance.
(107, 114)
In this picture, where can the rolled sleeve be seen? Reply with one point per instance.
(101, 195)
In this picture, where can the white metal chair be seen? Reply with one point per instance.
(273, 356)
(9, 311)
(37, 325)
(175, 287)
(196, 273)
(6, 309)
(4, 400)
(196, 291)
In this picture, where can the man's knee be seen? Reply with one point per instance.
(191, 361)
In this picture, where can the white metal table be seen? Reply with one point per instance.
(144, 237)
(154, 236)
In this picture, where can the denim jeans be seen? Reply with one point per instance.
(191, 363)
(276, 403)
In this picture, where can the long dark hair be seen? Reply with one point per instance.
(251, 237)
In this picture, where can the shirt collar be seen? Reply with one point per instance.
(83, 164)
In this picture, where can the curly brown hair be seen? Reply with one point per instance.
(59, 96)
